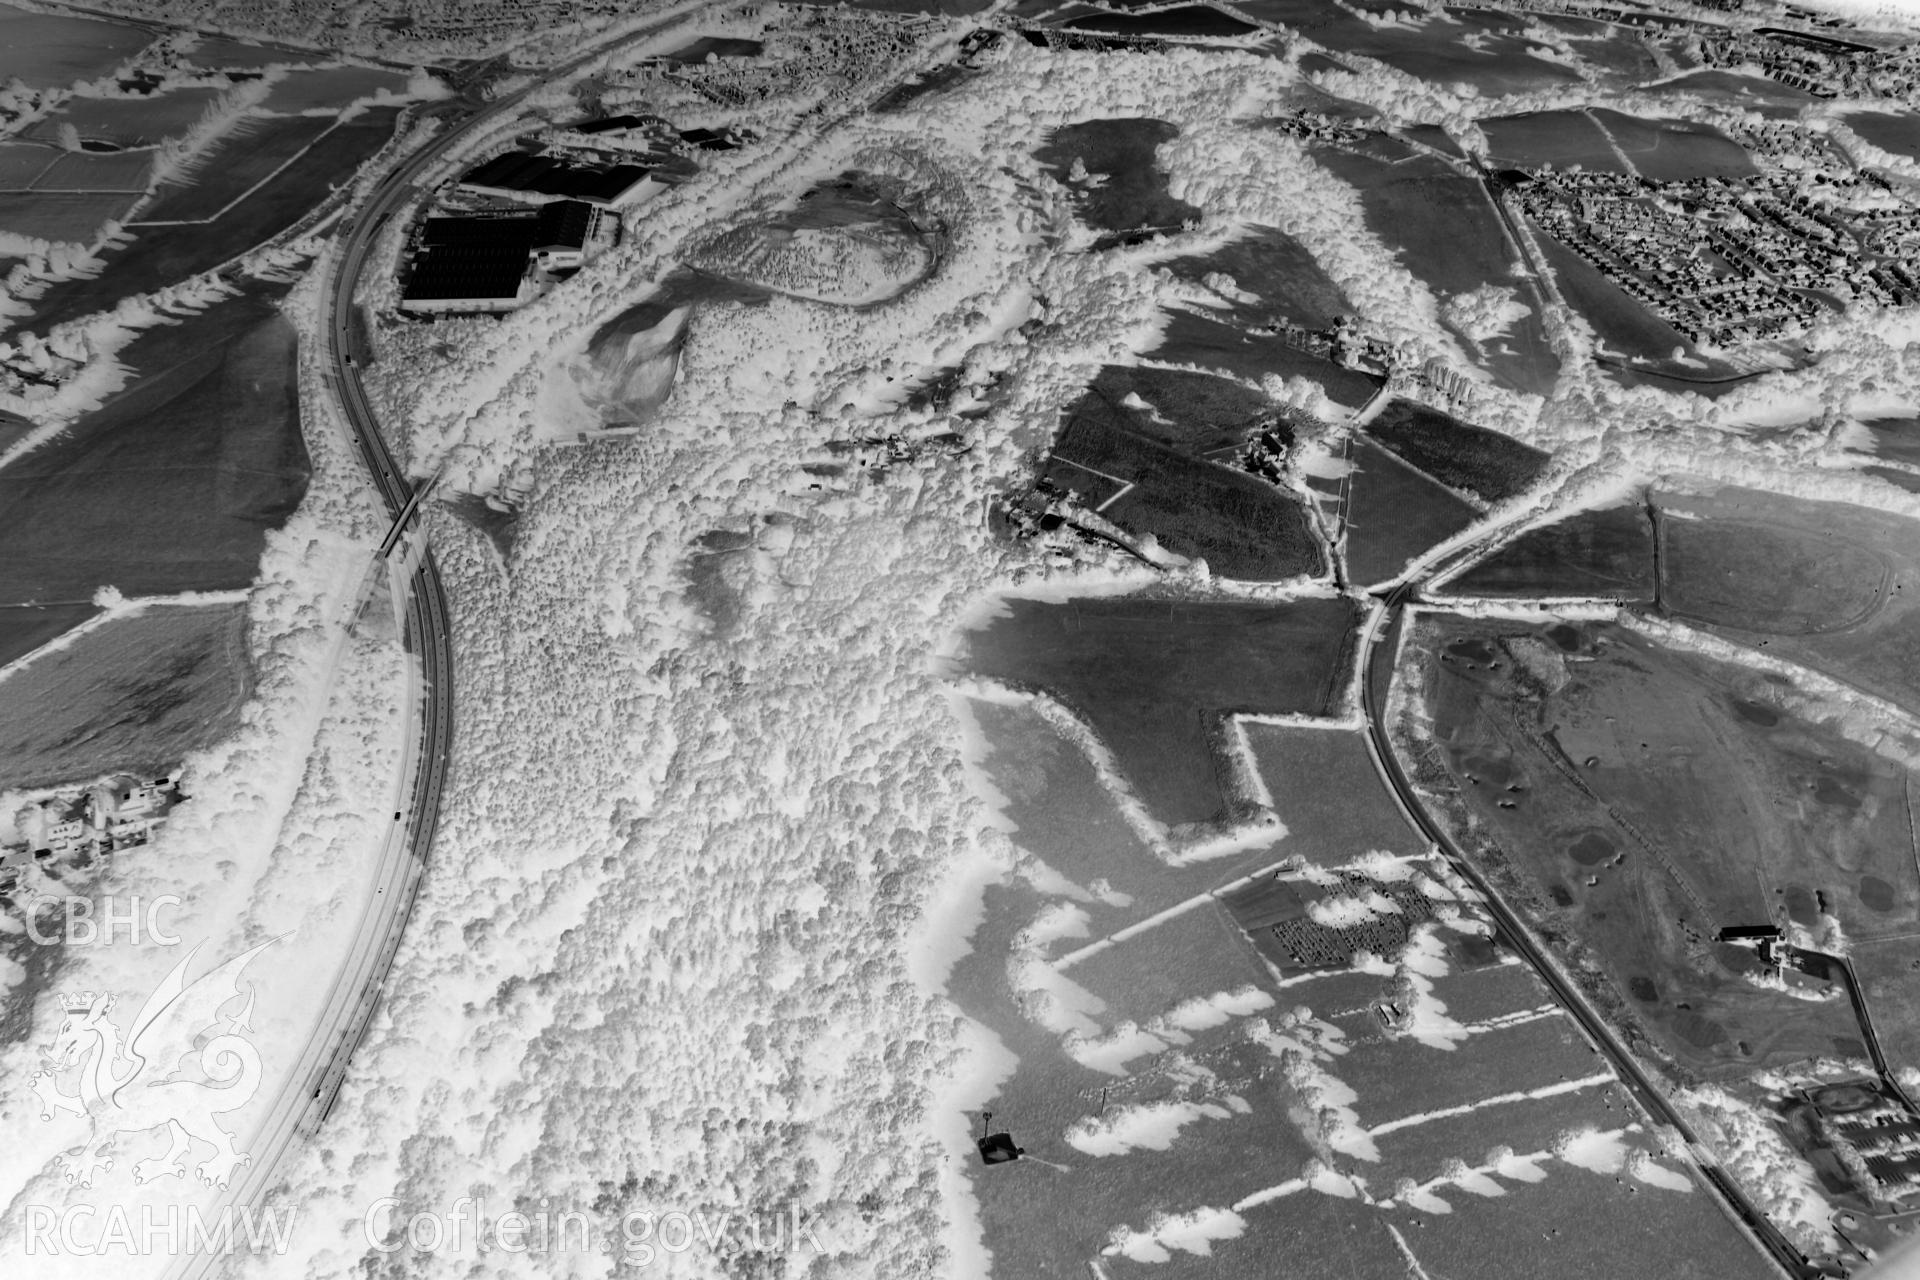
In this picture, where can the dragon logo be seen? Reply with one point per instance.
(135, 1085)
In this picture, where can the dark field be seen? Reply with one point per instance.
(218, 54)
(1197, 414)
(1675, 150)
(136, 694)
(173, 484)
(1879, 652)
(1752, 575)
(330, 88)
(1558, 138)
(1431, 50)
(1325, 789)
(163, 255)
(1458, 455)
(243, 158)
(123, 171)
(1153, 677)
(62, 216)
(1393, 513)
(1134, 199)
(1606, 553)
(1900, 479)
(24, 628)
(1244, 527)
(1643, 798)
(1444, 226)
(22, 162)
(1273, 265)
(1185, 20)
(1897, 439)
(1741, 90)
(1899, 134)
(1192, 338)
(129, 122)
(48, 51)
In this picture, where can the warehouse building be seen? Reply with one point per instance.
(499, 260)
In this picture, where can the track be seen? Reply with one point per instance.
(1374, 677)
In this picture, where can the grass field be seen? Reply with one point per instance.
(1876, 654)
(1756, 575)
(97, 171)
(1195, 413)
(129, 122)
(1643, 798)
(1607, 553)
(1275, 266)
(1393, 514)
(163, 255)
(1558, 138)
(1456, 453)
(1193, 338)
(1133, 200)
(1675, 150)
(1325, 789)
(62, 216)
(1899, 134)
(1443, 225)
(330, 88)
(238, 162)
(22, 162)
(137, 694)
(45, 51)
(1153, 676)
(24, 628)
(1245, 528)
(1182, 20)
(174, 483)
(216, 53)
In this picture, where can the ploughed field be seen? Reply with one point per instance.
(1155, 677)
(173, 484)
(133, 694)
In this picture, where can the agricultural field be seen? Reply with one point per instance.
(1192, 338)
(173, 484)
(238, 163)
(25, 627)
(1899, 133)
(1606, 553)
(1393, 513)
(1275, 267)
(49, 51)
(1322, 780)
(123, 171)
(1641, 799)
(1181, 20)
(1154, 676)
(128, 122)
(1471, 459)
(1196, 414)
(1896, 439)
(1821, 584)
(136, 694)
(330, 88)
(162, 255)
(22, 162)
(1132, 202)
(1675, 150)
(217, 54)
(1558, 138)
(1244, 527)
(1443, 224)
(63, 216)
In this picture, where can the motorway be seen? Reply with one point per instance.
(1376, 673)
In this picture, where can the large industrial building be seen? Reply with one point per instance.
(498, 260)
